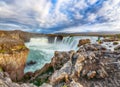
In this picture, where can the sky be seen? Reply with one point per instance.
(53, 16)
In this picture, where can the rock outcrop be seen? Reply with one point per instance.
(83, 41)
(92, 65)
(13, 56)
(5, 81)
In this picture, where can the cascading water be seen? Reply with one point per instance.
(55, 40)
(42, 51)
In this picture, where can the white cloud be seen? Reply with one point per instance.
(42, 13)
(110, 10)
(111, 26)
(92, 1)
(92, 17)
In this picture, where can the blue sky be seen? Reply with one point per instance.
(52, 16)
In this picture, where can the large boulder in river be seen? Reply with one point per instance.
(83, 41)
(13, 56)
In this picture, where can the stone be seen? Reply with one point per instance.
(75, 84)
(83, 41)
(61, 74)
(117, 48)
(115, 43)
(46, 85)
(31, 63)
(91, 74)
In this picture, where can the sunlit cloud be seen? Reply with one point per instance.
(60, 15)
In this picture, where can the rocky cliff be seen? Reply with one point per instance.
(13, 56)
(90, 66)
(19, 35)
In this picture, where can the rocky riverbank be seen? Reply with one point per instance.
(90, 66)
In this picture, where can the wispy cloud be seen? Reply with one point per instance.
(70, 15)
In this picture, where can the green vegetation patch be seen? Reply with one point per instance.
(1, 69)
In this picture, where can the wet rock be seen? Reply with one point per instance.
(83, 41)
(31, 63)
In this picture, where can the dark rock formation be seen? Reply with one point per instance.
(51, 38)
(31, 63)
(13, 55)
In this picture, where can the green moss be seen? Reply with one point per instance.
(2, 51)
(64, 86)
(1, 69)
(115, 43)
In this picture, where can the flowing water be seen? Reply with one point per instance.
(42, 51)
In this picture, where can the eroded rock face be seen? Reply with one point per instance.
(83, 41)
(85, 63)
(64, 72)
(60, 58)
(13, 56)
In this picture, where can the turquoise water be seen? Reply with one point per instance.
(41, 51)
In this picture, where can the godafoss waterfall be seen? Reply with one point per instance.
(41, 51)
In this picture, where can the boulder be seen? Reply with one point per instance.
(83, 41)
(46, 85)
(13, 56)
(5, 81)
(117, 48)
(31, 63)
(61, 74)
(75, 84)
(115, 43)
(60, 58)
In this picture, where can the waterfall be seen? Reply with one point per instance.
(55, 40)
(42, 51)
(38, 41)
